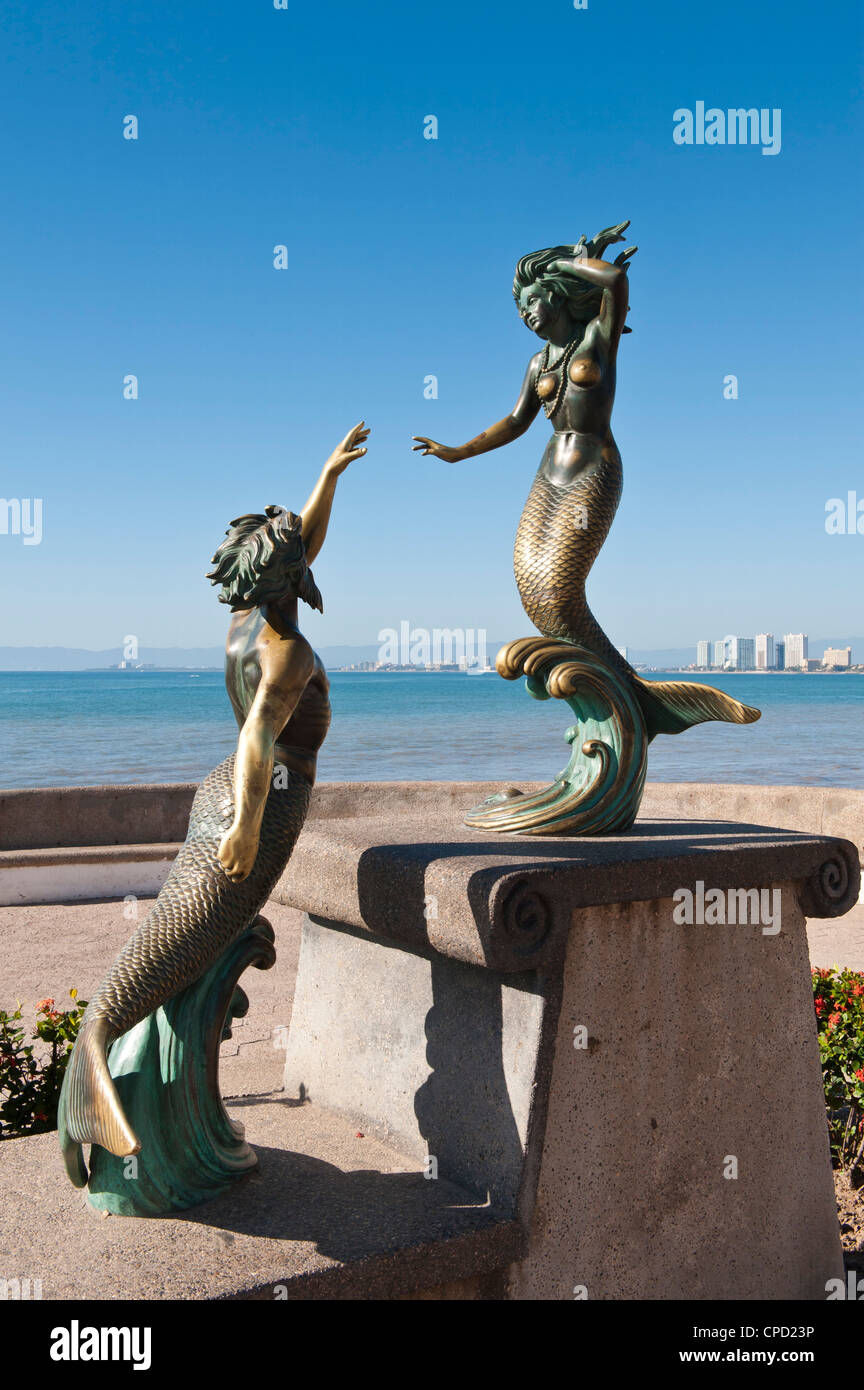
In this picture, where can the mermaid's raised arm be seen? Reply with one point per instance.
(502, 432)
(609, 277)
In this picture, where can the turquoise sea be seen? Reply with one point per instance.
(74, 728)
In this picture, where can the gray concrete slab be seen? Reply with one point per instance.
(328, 1214)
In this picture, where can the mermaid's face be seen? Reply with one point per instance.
(537, 308)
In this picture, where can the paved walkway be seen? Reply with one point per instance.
(45, 950)
(838, 940)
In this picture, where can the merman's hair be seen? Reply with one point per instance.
(583, 300)
(262, 559)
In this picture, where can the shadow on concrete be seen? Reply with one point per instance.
(346, 1215)
(463, 1108)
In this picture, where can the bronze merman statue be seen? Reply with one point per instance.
(577, 303)
(165, 1001)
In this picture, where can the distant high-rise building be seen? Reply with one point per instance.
(796, 650)
(764, 651)
(837, 656)
(623, 651)
(779, 656)
(719, 654)
(739, 653)
(703, 653)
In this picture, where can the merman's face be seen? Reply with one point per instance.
(537, 309)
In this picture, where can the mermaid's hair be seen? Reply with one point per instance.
(262, 559)
(583, 300)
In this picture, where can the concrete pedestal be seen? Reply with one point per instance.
(539, 1024)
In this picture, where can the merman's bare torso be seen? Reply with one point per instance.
(299, 741)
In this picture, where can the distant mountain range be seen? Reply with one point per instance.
(82, 659)
(202, 658)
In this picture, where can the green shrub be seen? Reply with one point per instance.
(30, 1085)
(838, 997)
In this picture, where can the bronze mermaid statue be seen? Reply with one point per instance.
(576, 303)
(244, 822)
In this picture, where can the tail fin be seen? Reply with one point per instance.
(90, 1110)
(672, 706)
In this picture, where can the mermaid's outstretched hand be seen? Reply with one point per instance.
(439, 451)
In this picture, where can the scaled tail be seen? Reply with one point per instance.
(90, 1111)
(670, 707)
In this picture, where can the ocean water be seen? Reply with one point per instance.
(81, 727)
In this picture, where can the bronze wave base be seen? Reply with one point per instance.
(600, 789)
(166, 1070)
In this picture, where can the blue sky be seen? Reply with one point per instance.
(304, 127)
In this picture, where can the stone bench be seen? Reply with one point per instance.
(526, 1017)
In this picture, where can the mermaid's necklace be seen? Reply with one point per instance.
(545, 370)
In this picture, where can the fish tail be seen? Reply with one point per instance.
(90, 1110)
(672, 706)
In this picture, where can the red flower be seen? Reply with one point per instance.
(834, 1020)
(860, 1074)
(858, 991)
(820, 1004)
(44, 1005)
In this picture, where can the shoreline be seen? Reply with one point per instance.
(403, 671)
